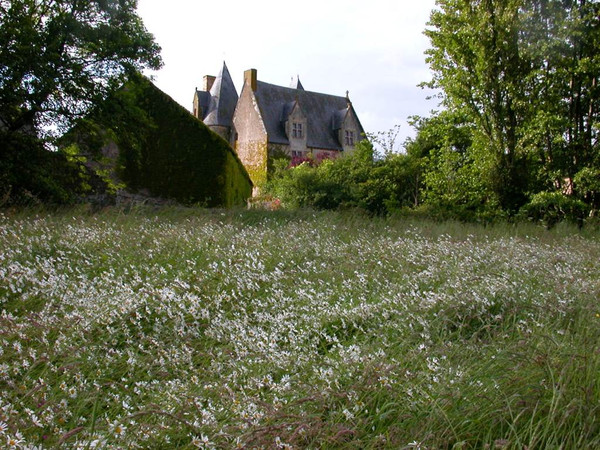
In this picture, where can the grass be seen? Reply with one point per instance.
(184, 328)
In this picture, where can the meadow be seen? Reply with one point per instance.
(186, 328)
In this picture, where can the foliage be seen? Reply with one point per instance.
(184, 328)
(549, 208)
(378, 186)
(59, 58)
(455, 184)
(587, 184)
(525, 74)
(29, 174)
(456, 180)
(476, 62)
(162, 148)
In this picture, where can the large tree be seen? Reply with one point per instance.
(60, 57)
(526, 72)
(476, 62)
(561, 38)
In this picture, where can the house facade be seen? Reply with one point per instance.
(270, 121)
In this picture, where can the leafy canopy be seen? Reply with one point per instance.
(525, 75)
(60, 57)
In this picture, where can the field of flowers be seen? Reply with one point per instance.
(248, 329)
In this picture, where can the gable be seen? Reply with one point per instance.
(293, 112)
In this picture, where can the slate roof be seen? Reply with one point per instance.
(324, 113)
(203, 101)
(223, 100)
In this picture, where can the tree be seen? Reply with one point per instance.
(456, 172)
(526, 71)
(476, 61)
(561, 38)
(60, 57)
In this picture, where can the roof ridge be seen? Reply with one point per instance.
(301, 91)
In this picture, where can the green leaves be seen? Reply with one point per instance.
(378, 186)
(61, 57)
(526, 74)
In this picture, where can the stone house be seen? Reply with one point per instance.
(268, 121)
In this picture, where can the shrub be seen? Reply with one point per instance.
(587, 184)
(351, 181)
(30, 174)
(549, 208)
(163, 149)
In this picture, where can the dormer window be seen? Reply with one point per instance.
(349, 138)
(297, 130)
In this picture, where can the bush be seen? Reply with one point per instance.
(549, 208)
(30, 174)
(351, 181)
(587, 184)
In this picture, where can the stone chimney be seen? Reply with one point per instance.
(208, 82)
(250, 78)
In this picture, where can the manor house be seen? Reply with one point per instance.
(268, 120)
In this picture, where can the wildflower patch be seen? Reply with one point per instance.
(270, 329)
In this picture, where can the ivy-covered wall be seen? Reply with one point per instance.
(252, 139)
(166, 151)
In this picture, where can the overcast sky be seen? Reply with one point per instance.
(373, 49)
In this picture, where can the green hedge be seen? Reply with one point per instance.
(166, 151)
(550, 208)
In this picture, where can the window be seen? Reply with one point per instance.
(297, 130)
(350, 138)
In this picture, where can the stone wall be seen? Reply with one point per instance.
(251, 142)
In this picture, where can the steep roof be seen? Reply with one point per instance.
(223, 99)
(204, 99)
(325, 114)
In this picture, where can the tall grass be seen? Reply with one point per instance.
(183, 328)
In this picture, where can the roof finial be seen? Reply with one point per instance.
(295, 83)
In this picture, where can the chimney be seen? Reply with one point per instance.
(250, 78)
(208, 82)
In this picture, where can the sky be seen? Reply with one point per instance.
(373, 49)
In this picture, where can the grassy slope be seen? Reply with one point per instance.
(184, 328)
